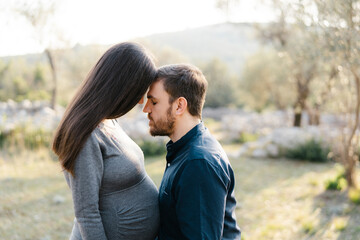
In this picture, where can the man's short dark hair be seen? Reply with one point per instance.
(184, 80)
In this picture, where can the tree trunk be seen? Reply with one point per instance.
(298, 110)
(314, 115)
(297, 119)
(302, 88)
(350, 171)
(350, 149)
(350, 157)
(54, 77)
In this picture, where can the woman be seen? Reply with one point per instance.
(113, 196)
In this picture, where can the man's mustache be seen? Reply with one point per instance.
(149, 117)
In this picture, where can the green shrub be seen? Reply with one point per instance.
(245, 137)
(308, 228)
(25, 137)
(311, 150)
(338, 183)
(2, 138)
(339, 224)
(335, 184)
(354, 195)
(152, 148)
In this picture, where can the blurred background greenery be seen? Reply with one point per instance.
(302, 61)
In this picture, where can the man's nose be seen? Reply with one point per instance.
(146, 108)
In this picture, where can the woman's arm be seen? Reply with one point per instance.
(85, 188)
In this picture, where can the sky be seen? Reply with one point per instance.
(112, 21)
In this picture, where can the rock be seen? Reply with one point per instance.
(58, 199)
(243, 151)
(21, 114)
(272, 150)
(11, 105)
(26, 104)
(289, 137)
(234, 154)
(259, 153)
(47, 111)
(47, 237)
(3, 107)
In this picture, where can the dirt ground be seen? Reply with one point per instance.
(277, 199)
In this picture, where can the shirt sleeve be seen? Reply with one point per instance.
(231, 230)
(200, 201)
(85, 188)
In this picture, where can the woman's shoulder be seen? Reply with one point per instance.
(95, 138)
(110, 130)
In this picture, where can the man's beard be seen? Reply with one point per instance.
(164, 126)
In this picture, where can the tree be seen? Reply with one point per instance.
(293, 37)
(4, 68)
(339, 21)
(321, 39)
(221, 89)
(38, 14)
(265, 81)
(39, 76)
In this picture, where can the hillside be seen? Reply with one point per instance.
(232, 43)
(229, 42)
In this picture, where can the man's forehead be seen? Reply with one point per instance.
(156, 88)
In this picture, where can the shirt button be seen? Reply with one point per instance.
(168, 164)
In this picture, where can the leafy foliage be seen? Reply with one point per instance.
(354, 195)
(222, 85)
(311, 150)
(308, 227)
(245, 137)
(338, 183)
(152, 148)
(25, 137)
(264, 83)
(21, 79)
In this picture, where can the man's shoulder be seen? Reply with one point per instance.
(206, 147)
(207, 157)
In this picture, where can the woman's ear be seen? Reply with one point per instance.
(181, 105)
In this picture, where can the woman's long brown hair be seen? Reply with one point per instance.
(113, 87)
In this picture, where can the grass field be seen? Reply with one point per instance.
(277, 199)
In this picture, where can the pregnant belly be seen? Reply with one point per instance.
(132, 213)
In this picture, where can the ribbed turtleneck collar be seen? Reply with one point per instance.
(174, 147)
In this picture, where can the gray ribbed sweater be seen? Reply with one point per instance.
(113, 196)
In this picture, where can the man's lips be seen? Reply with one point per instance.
(150, 119)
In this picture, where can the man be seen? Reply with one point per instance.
(196, 195)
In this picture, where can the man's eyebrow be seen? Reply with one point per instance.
(150, 96)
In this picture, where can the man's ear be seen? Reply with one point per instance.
(181, 105)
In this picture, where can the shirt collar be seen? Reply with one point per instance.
(174, 147)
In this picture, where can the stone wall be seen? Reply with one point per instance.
(274, 128)
(37, 114)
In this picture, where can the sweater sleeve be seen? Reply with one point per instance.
(85, 188)
(200, 201)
